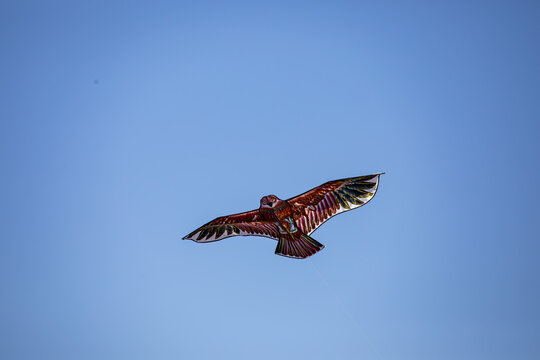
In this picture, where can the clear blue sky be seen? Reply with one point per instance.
(124, 126)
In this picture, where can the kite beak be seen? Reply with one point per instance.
(266, 202)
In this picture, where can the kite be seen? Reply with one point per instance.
(292, 221)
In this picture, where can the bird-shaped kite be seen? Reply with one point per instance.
(291, 221)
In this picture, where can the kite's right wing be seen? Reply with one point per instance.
(334, 197)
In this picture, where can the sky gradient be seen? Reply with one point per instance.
(123, 127)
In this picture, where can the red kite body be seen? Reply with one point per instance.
(292, 221)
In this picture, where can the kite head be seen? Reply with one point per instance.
(270, 201)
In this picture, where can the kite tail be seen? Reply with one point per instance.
(297, 245)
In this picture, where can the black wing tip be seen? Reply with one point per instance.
(361, 176)
(375, 175)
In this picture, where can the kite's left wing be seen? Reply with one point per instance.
(243, 224)
(321, 203)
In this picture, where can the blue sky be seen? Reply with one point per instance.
(123, 127)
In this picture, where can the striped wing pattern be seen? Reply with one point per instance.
(332, 198)
(243, 224)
